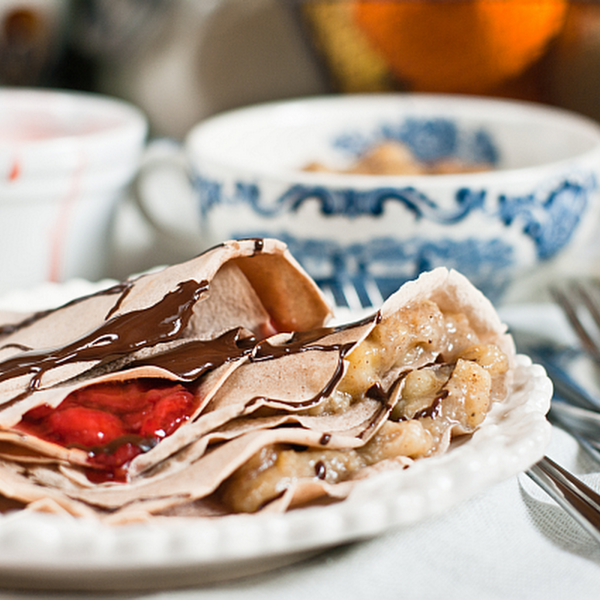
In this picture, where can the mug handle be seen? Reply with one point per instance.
(177, 221)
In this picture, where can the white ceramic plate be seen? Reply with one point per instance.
(53, 552)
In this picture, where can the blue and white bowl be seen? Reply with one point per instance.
(540, 198)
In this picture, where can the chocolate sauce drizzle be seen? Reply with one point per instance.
(123, 290)
(376, 392)
(192, 359)
(120, 288)
(303, 341)
(325, 439)
(434, 409)
(320, 470)
(119, 336)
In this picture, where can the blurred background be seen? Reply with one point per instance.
(184, 60)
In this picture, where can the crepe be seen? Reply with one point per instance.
(216, 386)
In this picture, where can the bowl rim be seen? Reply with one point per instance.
(122, 118)
(198, 148)
(119, 132)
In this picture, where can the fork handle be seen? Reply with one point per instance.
(576, 498)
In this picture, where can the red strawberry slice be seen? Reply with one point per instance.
(168, 414)
(85, 427)
(119, 397)
(115, 421)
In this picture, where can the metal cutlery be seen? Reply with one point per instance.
(576, 498)
(580, 303)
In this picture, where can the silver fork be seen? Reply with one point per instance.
(569, 492)
(580, 303)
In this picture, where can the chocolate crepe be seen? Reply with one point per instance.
(286, 410)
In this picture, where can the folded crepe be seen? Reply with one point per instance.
(216, 386)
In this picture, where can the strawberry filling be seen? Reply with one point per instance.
(113, 422)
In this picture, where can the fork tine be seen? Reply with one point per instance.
(582, 424)
(328, 293)
(354, 294)
(589, 301)
(569, 303)
(351, 295)
(373, 294)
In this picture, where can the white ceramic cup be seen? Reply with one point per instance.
(66, 159)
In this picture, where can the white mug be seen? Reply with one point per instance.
(66, 159)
